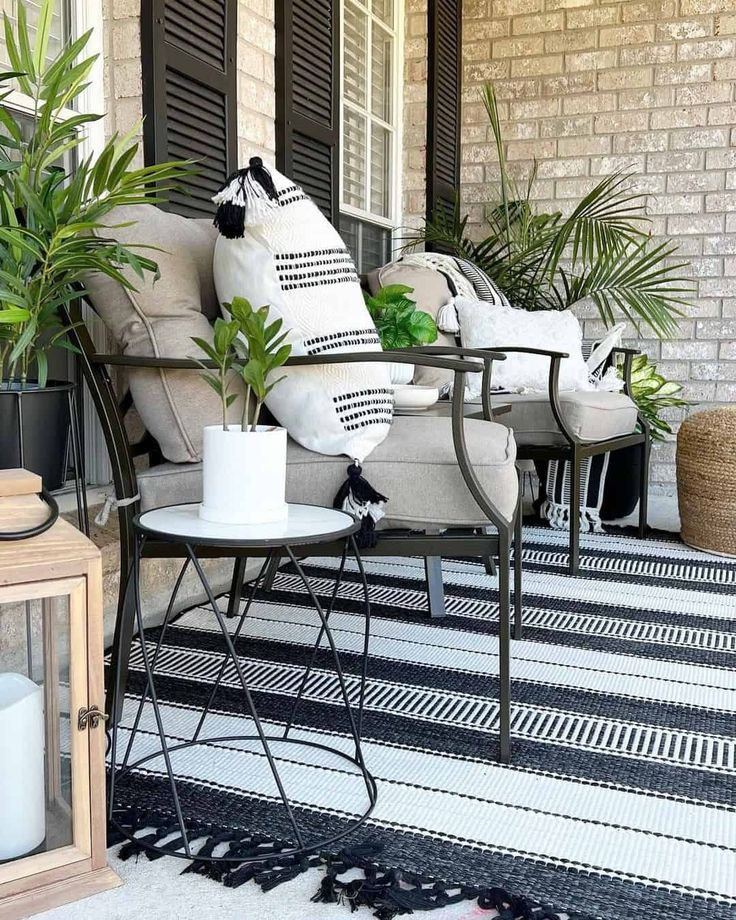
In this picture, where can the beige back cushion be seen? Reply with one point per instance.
(431, 292)
(159, 318)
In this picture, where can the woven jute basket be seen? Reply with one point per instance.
(706, 480)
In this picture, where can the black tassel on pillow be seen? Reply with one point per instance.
(247, 197)
(358, 497)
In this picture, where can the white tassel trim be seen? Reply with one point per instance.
(447, 319)
(558, 517)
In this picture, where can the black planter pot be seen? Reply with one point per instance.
(621, 493)
(35, 428)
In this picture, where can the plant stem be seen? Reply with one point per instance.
(256, 415)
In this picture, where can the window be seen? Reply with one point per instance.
(370, 122)
(60, 33)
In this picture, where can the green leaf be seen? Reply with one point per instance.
(422, 327)
(13, 315)
(43, 31)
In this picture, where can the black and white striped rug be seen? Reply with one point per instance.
(621, 798)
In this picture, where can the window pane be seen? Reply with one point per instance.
(384, 9)
(354, 141)
(381, 74)
(369, 245)
(380, 171)
(58, 26)
(356, 53)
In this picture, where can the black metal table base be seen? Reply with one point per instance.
(302, 843)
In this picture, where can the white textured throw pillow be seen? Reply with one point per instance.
(485, 325)
(282, 251)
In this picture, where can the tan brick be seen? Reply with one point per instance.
(648, 9)
(535, 108)
(583, 146)
(651, 98)
(591, 60)
(569, 83)
(517, 47)
(683, 73)
(620, 122)
(621, 36)
(621, 78)
(539, 66)
(511, 7)
(642, 142)
(563, 168)
(706, 50)
(724, 70)
(683, 29)
(604, 166)
(598, 16)
(707, 138)
(698, 7)
(694, 224)
(533, 25)
(527, 150)
(566, 127)
(596, 102)
(703, 94)
(695, 181)
(647, 54)
(680, 118)
(581, 40)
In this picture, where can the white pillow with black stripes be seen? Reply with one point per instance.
(284, 253)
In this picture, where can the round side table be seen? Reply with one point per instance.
(306, 525)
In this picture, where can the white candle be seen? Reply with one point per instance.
(22, 785)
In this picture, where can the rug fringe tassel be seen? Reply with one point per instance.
(388, 892)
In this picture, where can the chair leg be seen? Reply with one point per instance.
(518, 522)
(504, 645)
(489, 562)
(236, 587)
(435, 588)
(122, 641)
(644, 489)
(574, 513)
(270, 574)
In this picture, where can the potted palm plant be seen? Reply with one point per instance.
(244, 465)
(52, 213)
(600, 253)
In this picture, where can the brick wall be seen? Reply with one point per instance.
(589, 86)
(122, 68)
(414, 177)
(256, 79)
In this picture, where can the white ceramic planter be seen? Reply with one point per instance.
(401, 373)
(244, 475)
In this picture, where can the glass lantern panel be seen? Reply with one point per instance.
(36, 718)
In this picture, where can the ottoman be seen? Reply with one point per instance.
(706, 480)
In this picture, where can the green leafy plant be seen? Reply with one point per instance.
(652, 393)
(222, 354)
(52, 231)
(262, 350)
(602, 252)
(398, 322)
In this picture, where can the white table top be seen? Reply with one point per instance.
(304, 524)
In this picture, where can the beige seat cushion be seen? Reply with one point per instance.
(589, 415)
(159, 318)
(415, 467)
(430, 293)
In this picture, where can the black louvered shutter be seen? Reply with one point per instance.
(189, 93)
(444, 91)
(307, 111)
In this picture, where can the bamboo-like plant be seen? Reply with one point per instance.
(52, 231)
(602, 252)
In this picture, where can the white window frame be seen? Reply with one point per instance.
(393, 221)
(84, 15)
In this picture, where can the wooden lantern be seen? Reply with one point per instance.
(52, 738)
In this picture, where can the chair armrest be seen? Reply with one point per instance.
(349, 357)
(531, 351)
(486, 355)
(628, 354)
